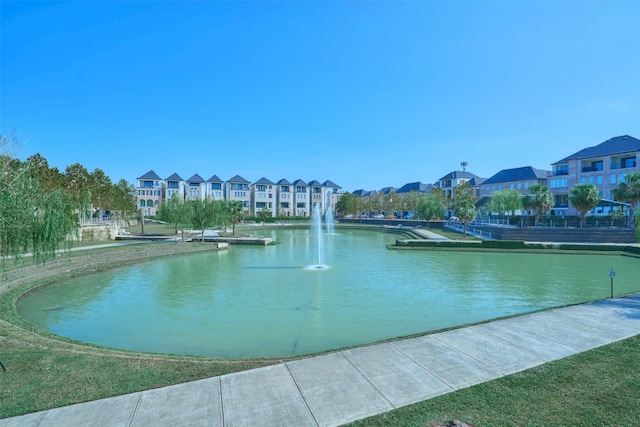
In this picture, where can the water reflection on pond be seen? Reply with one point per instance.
(265, 301)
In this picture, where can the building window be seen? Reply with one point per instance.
(262, 196)
(261, 187)
(519, 186)
(628, 162)
(591, 180)
(240, 194)
(583, 180)
(526, 185)
(622, 178)
(599, 179)
(561, 170)
(216, 186)
(558, 183)
(613, 178)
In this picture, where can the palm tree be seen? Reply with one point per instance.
(584, 197)
(629, 191)
(540, 200)
(466, 212)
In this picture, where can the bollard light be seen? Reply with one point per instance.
(612, 274)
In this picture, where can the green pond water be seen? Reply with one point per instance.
(269, 301)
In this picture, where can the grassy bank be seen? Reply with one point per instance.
(46, 371)
(599, 387)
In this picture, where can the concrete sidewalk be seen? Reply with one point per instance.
(344, 386)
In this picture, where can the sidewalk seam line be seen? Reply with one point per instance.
(367, 379)
(135, 409)
(306, 404)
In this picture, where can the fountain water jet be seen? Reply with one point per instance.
(316, 227)
(328, 218)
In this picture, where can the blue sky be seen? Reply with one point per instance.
(366, 94)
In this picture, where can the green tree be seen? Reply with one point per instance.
(505, 201)
(347, 204)
(584, 197)
(30, 220)
(629, 191)
(78, 182)
(410, 201)
(123, 199)
(540, 200)
(463, 192)
(175, 212)
(430, 206)
(101, 189)
(204, 214)
(466, 212)
(50, 179)
(234, 213)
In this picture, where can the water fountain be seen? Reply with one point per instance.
(328, 218)
(316, 227)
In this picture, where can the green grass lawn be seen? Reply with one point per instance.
(600, 387)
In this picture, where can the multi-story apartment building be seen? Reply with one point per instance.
(284, 198)
(514, 179)
(196, 188)
(301, 198)
(332, 194)
(604, 165)
(263, 197)
(149, 192)
(215, 188)
(448, 182)
(174, 185)
(238, 189)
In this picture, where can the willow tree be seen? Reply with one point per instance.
(30, 220)
(430, 206)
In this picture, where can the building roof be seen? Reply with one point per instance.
(215, 178)
(517, 174)
(284, 182)
(331, 184)
(196, 179)
(615, 145)
(459, 174)
(315, 183)
(175, 177)
(150, 175)
(476, 180)
(264, 181)
(418, 187)
(301, 183)
(387, 190)
(238, 178)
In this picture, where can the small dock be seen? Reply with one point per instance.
(256, 241)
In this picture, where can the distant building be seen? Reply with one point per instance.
(604, 165)
(149, 192)
(519, 179)
(262, 197)
(448, 182)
